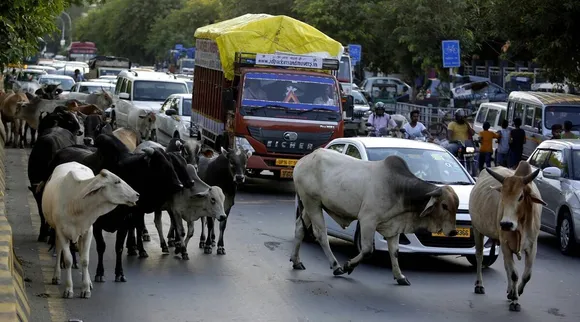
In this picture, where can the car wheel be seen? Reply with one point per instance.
(487, 260)
(309, 235)
(357, 242)
(565, 233)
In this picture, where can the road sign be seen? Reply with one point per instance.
(451, 53)
(355, 52)
(178, 46)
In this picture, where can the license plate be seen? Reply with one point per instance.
(461, 233)
(286, 162)
(286, 173)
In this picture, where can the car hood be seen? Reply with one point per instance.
(463, 193)
(148, 105)
(361, 107)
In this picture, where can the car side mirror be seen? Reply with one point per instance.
(552, 173)
(124, 96)
(170, 112)
(405, 89)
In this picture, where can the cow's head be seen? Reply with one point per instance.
(517, 196)
(209, 202)
(146, 124)
(60, 117)
(112, 189)
(441, 210)
(237, 162)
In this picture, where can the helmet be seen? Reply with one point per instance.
(459, 112)
(380, 106)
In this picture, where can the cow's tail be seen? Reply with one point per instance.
(301, 209)
(51, 239)
(492, 250)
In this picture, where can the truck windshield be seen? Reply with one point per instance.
(290, 96)
(109, 72)
(156, 90)
(188, 63)
(344, 71)
(561, 113)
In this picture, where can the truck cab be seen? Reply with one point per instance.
(107, 66)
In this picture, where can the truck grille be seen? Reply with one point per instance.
(448, 242)
(303, 143)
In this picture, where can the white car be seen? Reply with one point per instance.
(173, 120)
(431, 163)
(92, 87)
(107, 78)
(65, 82)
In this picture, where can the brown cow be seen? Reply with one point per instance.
(511, 213)
(8, 107)
(129, 137)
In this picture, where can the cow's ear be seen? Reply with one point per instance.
(95, 186)
(200, 195)
(248, 154)
(429, 208)
(142, 116)
(537, 199)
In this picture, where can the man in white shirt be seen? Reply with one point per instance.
(253, 91)
(415, 128)
(325, 98)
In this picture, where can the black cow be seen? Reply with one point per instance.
(95, 126)
(226, 171)
(56, 131)
(150, 174)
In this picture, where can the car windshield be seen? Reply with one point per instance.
(188, 63)
(344, 71)
(560, 114)
(88, 89)
(284, 95)
(156, 90)
(186, 107)
(28, 76)
(109, 72)
(189, 86)
(359, 98)
(438, 167)
(65, 83)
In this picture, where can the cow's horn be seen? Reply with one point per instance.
(435, 193)
(496, 175)
(531, 176)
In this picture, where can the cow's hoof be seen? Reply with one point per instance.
(213, 243)
(207, 250)
(479, 289)
(67, 294)
(99, 279)
(86, 294)
(515, 307)
(403, 281)
(201, 244)
(143, 254)
(55, 281)
(511, 295)
(165, 249)
(75, 266)
(120, 278)
(338, 271)
(347, 268)
(146, 238)
(300, 266)
(170, 243)
(185, 256)
(221, 250)
(132, 252)
(177, 249)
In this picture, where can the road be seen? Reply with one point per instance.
(255, 282)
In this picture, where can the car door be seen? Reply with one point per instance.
(162, 122)
(122, 106)
(332, 227)
(538, 161)
(552, 191)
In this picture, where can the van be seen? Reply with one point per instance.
(539, 111)
(144, 90)
(494, 113)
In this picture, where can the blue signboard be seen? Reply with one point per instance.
(355, 52)
(451, 53)
(178, 46)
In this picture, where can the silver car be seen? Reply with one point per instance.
(559, 185)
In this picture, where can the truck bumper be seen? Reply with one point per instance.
(283, 169)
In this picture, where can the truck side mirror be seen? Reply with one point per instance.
(348, 105)
(228, 99)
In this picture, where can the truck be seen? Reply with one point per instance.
(186, 66)
(107, 66)
(82, 51)
(271, 94)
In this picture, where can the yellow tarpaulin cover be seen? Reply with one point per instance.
(266, 34)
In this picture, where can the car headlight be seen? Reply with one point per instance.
(368, 113)
(469, 150)
(243, 143)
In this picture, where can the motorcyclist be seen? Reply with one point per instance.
(415, 128)
(458, 132)
(380, 120)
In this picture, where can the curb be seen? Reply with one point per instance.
(14, 304)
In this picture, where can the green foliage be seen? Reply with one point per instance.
(21, 23)
(179, 25)
(235, 8)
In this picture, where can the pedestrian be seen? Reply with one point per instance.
(556, 131)
(568, 131)
(517, 141)
(486, 148)
(503, 146)
(77, 76)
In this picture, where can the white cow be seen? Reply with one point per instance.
(506, 205)
(142, 121)
(383, 196)
(73, 199)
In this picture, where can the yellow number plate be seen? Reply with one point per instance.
(286, 162)
(286, 173)
(461, 233)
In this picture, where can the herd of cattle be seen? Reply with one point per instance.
(87, 177)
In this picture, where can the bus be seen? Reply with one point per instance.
(82, 51)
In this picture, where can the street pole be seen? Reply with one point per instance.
(451, 101)
(62, 41)
(69, 27)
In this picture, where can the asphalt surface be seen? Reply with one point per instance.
(254, 280)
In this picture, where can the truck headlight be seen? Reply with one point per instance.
(243, 143)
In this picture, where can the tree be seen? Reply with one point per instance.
(235, 8)
(548, 30)
(179, 26)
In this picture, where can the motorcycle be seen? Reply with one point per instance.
(465, 153)
(386, 133)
